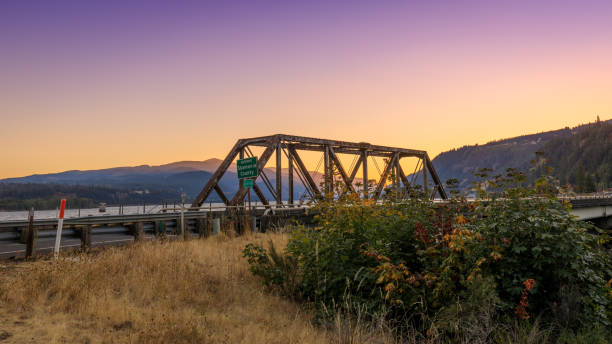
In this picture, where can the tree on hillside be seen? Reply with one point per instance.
(589, 184)
(583, 159)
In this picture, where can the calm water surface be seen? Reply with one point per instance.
(74, 213)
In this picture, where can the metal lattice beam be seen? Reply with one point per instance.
(347, 181)
(291, 144)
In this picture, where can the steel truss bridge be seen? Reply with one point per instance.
(289, 147)
(234, 216)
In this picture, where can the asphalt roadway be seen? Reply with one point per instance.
(46, 242)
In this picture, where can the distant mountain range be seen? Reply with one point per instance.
(184, 175)
(580, 156)
(138, 184)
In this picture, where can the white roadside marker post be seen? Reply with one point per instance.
(60, 223)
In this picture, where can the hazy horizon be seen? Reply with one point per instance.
(271, 163)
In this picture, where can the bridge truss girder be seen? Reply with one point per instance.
(289, 146)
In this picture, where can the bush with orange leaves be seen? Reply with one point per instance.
(521, 308)
(419, 257)
(510, 236)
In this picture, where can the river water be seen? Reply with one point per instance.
(75, 213)
(71, 213)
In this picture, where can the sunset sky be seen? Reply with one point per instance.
(87, 84)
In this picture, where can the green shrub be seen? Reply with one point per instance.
(516, 251)
(275, 269)
(586, 335)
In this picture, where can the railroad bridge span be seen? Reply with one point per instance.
(289, 147)
(199, 221)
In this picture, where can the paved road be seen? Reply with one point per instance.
(46, 241)
(10, 249)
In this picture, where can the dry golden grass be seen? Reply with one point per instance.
(198, 291)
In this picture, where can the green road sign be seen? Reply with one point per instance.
(248, 183)
(247, 168)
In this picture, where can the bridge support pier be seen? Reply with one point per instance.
(216, 225)
(229, 227)
(31, 242)
(23, 233)
(160, 228)
(201, 227)
(178, 227)
(185, 230)
(603, 223)
(137, 230)
(86, 237)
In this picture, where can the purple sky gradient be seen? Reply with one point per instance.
(463, 71)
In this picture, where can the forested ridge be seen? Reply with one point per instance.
(20, 196)
(579, 157)
(583, 159)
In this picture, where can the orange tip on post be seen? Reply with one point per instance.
(62, 207)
